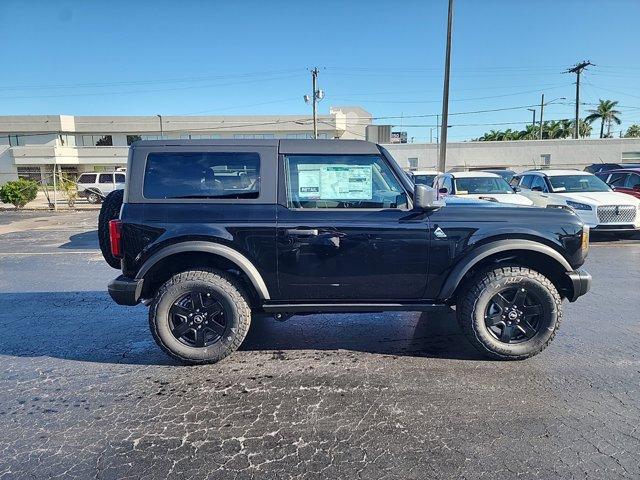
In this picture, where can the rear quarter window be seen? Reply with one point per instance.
(175, 175)
(87, 178)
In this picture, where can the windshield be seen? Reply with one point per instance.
(577, 183)
(474, 185)
(423, 179)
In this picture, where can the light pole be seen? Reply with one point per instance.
(161, 132)
(442, 157)
(542, 105)
(533, 122)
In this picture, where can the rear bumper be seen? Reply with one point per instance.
(581, 282)
(126, 291)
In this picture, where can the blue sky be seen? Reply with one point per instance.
(252, 57)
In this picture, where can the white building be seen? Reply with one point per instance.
(31, 145)
(519, 155)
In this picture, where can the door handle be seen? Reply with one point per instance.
(303, 232)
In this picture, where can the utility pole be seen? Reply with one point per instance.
(533, 122)
(577, 69)
(317, 96)
(314, 81)
(442, 158)
(541, 113)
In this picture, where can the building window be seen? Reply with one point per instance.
(413, 163)
(199, 136)
(133, 138)
(30, 173)
(97, 140)
(254, 136)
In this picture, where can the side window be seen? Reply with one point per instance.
(119, 177)
(538, 184)
(526, 181)
(202, 175)
(615, 179)
(632, 180)
(105, 178)
(87, 178)
(341, 181)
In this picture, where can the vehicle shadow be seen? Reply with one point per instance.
(90, 327)
(82, 241)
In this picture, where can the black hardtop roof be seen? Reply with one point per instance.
(346, 147)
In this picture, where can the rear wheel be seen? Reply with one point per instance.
(200, 316)
(510, 313)
(93, 197)
(110, 210)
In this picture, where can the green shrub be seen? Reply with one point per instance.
(19, 192)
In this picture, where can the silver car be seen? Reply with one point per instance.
(95, 186)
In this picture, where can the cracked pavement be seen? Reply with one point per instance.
(85, 392)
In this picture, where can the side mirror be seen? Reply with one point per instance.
(636, 187)
(516, 189)
(443, 190)
(425, 198)
(536, 189)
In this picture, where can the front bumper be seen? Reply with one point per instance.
(609, 228)
(581, 283)
(126, 291)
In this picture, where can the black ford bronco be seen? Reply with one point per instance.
(211, 231)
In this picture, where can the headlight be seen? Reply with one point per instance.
(561, 207)
(585, 239)
(579, 206)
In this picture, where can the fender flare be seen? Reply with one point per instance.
(229, 253)
(480, 253)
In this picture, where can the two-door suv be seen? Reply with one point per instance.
(213, 230)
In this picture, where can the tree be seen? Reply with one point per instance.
(633, 131)
(605, 112)
(19, 192)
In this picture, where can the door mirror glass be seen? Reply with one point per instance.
(425, 198)
(536, 188)
(636, 187)
(443, 190)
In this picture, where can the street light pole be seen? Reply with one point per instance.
(533, 122)
(541, 114)
(442, 159)
(161, 132)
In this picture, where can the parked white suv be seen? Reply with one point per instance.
(593, 200)
(95, 186)
(478, 185)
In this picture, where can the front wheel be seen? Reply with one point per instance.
(510, 313)
(200, 316)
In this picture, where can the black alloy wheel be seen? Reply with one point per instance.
(197, 319)
(513, 315)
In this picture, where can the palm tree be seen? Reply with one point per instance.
(633, 131)
(605, 112)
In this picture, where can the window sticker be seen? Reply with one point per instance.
(335, 182)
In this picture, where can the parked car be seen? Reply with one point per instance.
(625, 180)
(480, 185)
(592, 199)
(329, 226)
(96, 186)
(604, 167)
(423, 177)
(505, 173)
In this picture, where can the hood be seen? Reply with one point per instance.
(600, 198)
(512, 198)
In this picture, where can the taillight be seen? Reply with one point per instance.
(115, 237)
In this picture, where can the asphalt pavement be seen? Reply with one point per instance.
(85, 392)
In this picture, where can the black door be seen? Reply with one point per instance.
(345, 231)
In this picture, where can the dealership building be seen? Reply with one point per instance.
(32, 146)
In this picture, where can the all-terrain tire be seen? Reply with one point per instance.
(474, 300)
(225, 289)
(110, 210)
